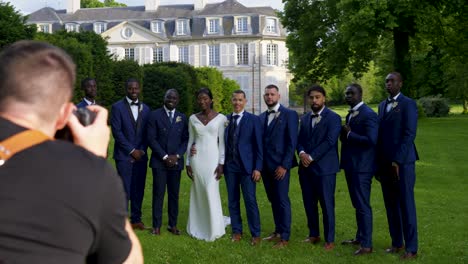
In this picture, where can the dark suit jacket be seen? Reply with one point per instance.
(397, 131)
(249, 141)
(128, 133)
(321, 143)
(165, 138)
(358, 148)
(82, 104)
(280, 139)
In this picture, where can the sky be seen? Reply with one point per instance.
(29, 6)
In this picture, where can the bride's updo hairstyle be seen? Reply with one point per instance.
(206, 91)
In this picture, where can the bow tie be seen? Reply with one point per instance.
(314, 115)
(135, 103)
(351, 111)
(270, 112)
(390, 100)
(235, 117)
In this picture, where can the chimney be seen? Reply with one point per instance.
(151, 5)
(199, 4)
(73, 6)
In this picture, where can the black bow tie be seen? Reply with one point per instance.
(135, 103)
(235, 117)
(314, 115)
(390, 100)
(270, 112)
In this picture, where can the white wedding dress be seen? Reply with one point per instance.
(206, 221)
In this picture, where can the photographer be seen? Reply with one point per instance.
(60, 202)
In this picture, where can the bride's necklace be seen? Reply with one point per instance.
(205, 118)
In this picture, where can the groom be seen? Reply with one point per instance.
(244, 157)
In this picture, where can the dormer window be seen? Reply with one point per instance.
(157, 26)
(72, 27)
(100, 27)
(242, 25)
(182, 27)
(45, 28)
(271, 25)
(214, 25)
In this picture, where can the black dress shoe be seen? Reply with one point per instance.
(174, 230)
(156, 231)
(363, 251)
(408, 256)
(351, 242)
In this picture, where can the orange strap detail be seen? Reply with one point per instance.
(20, 142)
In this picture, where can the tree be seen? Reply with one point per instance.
(328, 37)
(13, 26)
(97, 3)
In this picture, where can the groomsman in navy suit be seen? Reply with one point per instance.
(128, 122)
(244, 158)
(90, 89)
(358, 141)
(279, 142)
(396, 157)
(317, 147)
(167, 134)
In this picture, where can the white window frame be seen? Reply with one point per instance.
(213, 25)
(127, 32)
(129, 54)
(72, 27)
(158, 54)
(157, 26)
(44, 28)
(240, 27)
(100, 27)
(272, 54)
(184, 54)
(214, 55)
(242, 54)
(182, 27)
(271, 25)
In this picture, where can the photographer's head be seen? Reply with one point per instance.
(36, 85)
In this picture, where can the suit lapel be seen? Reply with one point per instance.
(129, 110)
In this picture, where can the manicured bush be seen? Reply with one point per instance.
(435, 106)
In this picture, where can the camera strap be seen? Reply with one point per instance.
(20, 142)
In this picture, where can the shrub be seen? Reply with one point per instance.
(435, 106)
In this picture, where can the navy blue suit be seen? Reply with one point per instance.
(397, 132)
(166, 138)
(130, 134)
(279, 143)
(82, 104)
(318, 180)
(358, 162)
(244, 154)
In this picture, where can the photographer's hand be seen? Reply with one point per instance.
(94, 137)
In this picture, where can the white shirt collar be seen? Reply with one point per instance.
(88, 101)
(276, 107)
(167, 110)
(239, 114)
(396, 96)
(319, 112)
(130, 100)
(356, 107)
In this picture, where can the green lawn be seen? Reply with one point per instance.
(442, 208)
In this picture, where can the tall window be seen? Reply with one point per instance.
(271, 25)
(214, 55)
(72, 27)
(158, 54)
(100, 27)
(184, 54)
(242, 23)
(213, 26)
(130, 53)
(272, 54)
(157, 26)
(44, 28)
(243, 54)
(182, 27)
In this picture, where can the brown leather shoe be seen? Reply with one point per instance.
(362, 251)
(139, 226)
(274, 237)
(281, 244)
(329, 246)
(173, 230)
(393, 250)
(313, 240)
(236, 237)
(255, 241)
(408, 256)
(351, 242)
(156, 231)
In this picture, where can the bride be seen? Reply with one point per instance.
(206, 129)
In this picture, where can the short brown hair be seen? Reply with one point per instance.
(37, 74)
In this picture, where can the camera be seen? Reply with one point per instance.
(84, 115)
